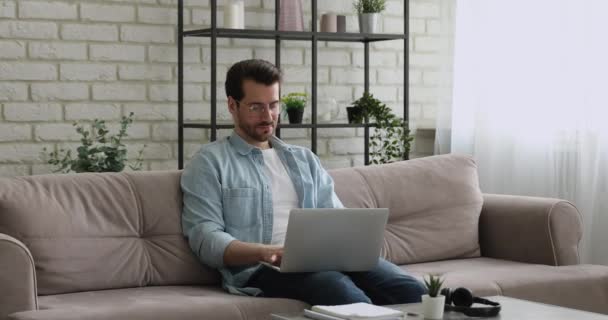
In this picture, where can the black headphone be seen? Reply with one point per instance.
(461, 299)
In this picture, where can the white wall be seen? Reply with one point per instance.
(65, 61)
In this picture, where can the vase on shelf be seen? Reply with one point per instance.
(291, 16)
(234, 14)
(329, 22)
(368, 22)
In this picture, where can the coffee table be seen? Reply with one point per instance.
(512, 309)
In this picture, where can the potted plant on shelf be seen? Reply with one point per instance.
(368, 11)
(294, 104)
(391, 138)
(98, 152)
(433, 302)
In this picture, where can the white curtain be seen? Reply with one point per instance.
(530, 102)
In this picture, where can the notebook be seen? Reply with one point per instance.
(361, 310)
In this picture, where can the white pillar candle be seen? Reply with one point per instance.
(231, 15)
(241, 10)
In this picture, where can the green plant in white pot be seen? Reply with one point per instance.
(433, 302)
(369, 11)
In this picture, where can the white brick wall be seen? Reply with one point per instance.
(32, 112)
(110, 13)
(82, 31)
(87, 71)
(59, 91)
(117, 52)
(47, 10)
(57, 50)
(27, 71)
(28, 29)
(87, 111)
(76, 60)
(7, 9)
(12, 49)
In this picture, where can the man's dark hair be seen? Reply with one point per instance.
(258, 70)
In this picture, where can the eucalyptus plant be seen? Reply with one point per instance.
(99, 151)
(390, 140)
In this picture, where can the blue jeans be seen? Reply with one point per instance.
(385, 284)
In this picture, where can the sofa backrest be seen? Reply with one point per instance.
(434, 203)
(117, 230)
(101, 231)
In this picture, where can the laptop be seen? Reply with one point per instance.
(332, 240)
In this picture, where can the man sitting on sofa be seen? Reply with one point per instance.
(238, 192)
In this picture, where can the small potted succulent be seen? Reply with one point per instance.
(433, 302)
(294, 104)
(368, 11)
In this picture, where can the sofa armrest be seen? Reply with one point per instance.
(17, 277)
(530, 229)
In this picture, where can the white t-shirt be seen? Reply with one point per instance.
(284, 196)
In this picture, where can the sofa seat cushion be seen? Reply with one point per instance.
(477, 274)
(171, 302)
(582, 287)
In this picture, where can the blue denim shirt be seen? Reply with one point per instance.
(227, 197)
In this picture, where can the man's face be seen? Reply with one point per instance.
(256, 114)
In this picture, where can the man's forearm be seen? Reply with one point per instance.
(240, 253)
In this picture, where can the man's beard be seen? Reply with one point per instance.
(254, 134)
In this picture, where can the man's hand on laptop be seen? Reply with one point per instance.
(272, 254)
(240, 253)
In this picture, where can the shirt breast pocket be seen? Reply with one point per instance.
(240, 207)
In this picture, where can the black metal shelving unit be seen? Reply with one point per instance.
(213, 33)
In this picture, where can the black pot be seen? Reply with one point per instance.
(355, 115)
(295, 115)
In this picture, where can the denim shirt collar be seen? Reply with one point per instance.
(243, 147)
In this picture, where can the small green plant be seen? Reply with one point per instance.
(370, 6)
(391, 138)
(295, 101)
(98, 152)
(433, 285)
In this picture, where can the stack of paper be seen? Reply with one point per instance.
(355, 311)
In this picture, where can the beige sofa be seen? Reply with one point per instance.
(109, 246)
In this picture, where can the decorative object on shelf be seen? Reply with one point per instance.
(291, 16)
(329, 22)
(369, 11)
(294, 104)
(391, 138)
(98, 152)
(433, 303)
(355, 114)
(234, 14)
(341, 23)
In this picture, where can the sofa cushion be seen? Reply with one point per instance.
(101, 231)
(580, 286)
(434, 203)
(158, 303)
(477, 274)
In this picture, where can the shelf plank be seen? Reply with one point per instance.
(294, 35)
(201, 125)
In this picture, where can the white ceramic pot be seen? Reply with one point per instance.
(433, 307)
(368, 22)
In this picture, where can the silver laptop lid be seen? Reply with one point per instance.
(333, 239)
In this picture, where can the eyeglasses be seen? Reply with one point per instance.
(261, 108)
